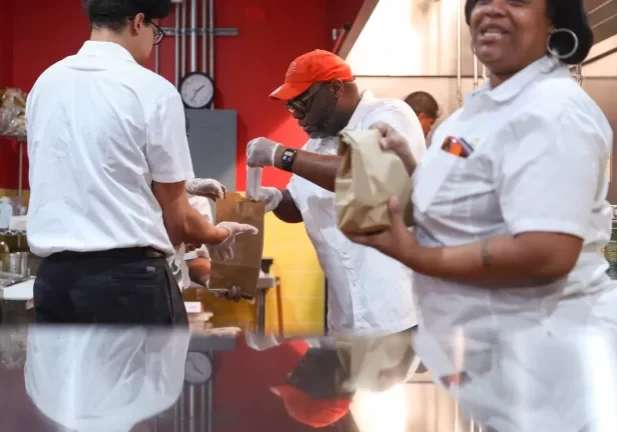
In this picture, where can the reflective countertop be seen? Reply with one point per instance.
(108, 379)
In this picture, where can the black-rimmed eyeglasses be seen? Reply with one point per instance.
(159, 34)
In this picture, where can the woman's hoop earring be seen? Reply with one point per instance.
(552, 51)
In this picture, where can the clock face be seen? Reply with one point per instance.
(197, 90)
(198, 368)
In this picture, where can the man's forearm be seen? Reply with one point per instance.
(316, 168)
(287, 211)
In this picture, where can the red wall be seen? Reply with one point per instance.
(34, 34)
(248, 67)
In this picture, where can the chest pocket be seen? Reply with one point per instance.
(456, 188)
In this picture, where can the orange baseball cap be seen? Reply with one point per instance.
(314, 67)
(316, 413)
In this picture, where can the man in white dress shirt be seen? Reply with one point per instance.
(367, 291)
(109, 159)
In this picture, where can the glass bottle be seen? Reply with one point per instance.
(5, 252)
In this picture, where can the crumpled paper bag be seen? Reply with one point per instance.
(377, 363)
(244, 268)
(367, 178)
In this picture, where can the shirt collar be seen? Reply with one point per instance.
(106, 49)
(366, 101)
(510, 88)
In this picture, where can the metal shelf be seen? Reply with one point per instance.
(12, 233)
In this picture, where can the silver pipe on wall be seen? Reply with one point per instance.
(459, 56)
(177, 46)
(157, 55)
(210, 384)
(211, 37)
(579, 74)
(193, 36)
(204, 36)
(183, 39)
(475, 72)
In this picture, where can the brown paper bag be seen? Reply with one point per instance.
(243, 270)
(376, 362)
(367, 178)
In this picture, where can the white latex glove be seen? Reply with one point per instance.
(224, 251)
(260, 152)
(271, 196)
(208, 188)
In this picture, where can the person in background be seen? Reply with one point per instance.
(426, 108)
(109, 160)
(511, 219)
(368, 292)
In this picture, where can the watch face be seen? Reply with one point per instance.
(197, 90)
(198, 369)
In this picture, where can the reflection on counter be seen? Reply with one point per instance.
(169, 380)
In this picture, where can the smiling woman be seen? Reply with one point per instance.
(534, 28)
(508, 236)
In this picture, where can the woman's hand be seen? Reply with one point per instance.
(392, 141)
(396, 241)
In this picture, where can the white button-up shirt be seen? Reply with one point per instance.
(101, 128)
(541, 150)
(367, 291)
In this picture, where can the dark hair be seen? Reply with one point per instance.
(114, 14)
(423, 103)
(565, 14)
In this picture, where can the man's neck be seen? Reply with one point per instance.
(105, 35)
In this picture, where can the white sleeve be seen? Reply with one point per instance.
(291, 187)
(406, 123)
(203, 206)
(167, 148)
(556, 174)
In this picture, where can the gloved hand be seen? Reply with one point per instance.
(224, 251)
(271, 196)
(208, 188)
(260, 152)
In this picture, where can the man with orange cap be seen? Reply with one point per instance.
(367, 291)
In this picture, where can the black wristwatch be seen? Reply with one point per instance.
(287, 158)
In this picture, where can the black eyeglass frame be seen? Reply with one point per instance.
(158, 32)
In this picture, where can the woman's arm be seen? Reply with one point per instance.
(547, 187)
(528, 259)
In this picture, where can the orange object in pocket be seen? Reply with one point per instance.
(457, 147)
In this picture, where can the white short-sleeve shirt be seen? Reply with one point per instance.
(101, 128)
(368, 292)
(541, 150)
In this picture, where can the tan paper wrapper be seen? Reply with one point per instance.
(243, 270)
(367, 358)
(368, 177)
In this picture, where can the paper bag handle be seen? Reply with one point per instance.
(253, 181)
